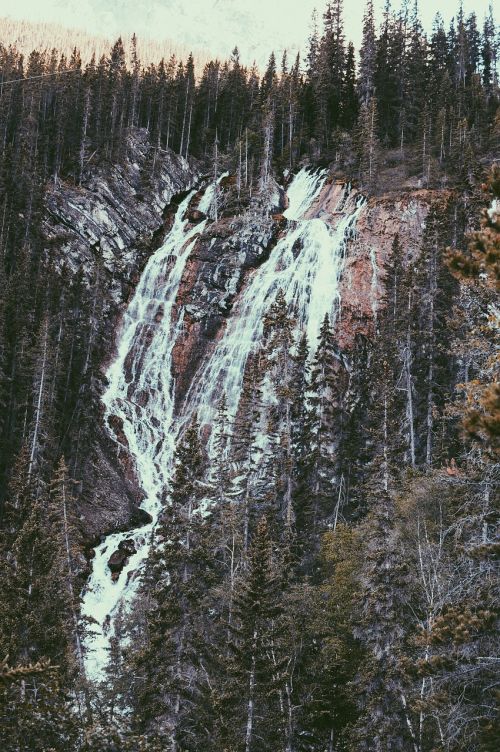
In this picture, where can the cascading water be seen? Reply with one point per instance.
(305, 264)
(140, 393)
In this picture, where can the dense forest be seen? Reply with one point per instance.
(339, 590)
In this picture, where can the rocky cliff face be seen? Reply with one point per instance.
(120, 216)
(215, 273)
(230, 250)
(115, 216)
(106, 229)
(381, 219)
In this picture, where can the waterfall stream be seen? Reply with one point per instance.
(306, 263)
(140, 393)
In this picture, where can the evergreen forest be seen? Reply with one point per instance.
(323, 572)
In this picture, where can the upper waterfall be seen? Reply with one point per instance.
(306, 264)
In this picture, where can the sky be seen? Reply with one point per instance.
(257, 26)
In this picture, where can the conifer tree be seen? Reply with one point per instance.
(368, 145)
(66, 544)
(479, 263)
(384, 721)
(179, 575)
(245, 452)
(367, 56)
(350, 100)
(326, 392)
(255, 668)
(281, 370)
(337, 660)
(435, 288)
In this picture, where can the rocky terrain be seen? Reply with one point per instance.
(119, 217)
(106, 229)
(111, 224)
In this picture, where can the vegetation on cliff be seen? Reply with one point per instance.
(329, 581)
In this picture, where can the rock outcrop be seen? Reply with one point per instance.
(119, 216)
(120, 557)
(106, 228)
(215, 273)
(229, 250)
(113, 217)
(381, 219)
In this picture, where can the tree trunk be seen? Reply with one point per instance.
(39, 404)
(251, 699)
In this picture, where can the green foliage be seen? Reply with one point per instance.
(254, 628)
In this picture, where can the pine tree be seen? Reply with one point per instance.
(325, 398)
(337, 660)
(367, 54)
(398, 335)
(281, 374)
(479, 263)
(368, 145)
(384, 721)
(255, 671)
(331, 70)
(178, 578)
(245, 451)
(350, 100)
(66, 543)
(435, 289)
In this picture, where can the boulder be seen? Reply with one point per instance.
(120, 557)
(195, 216)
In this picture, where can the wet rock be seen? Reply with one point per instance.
(111, 491)
(116, 212)
(131, 576)
(140, 517)
(116, 425)
(195, 216)
(142, 398)
(120, 557)
(213, 276)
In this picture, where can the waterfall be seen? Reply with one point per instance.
(140, 393)
(306, 264)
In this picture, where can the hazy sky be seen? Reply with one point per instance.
(256, 25)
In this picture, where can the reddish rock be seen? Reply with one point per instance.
(228, 181)
(362, 282)
(328, 202)
(194, 216)
(116, 425)
(190, 346)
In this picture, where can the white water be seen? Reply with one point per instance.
(306, 264)
(140, 392)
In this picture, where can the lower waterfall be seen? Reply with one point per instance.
(306, 264)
